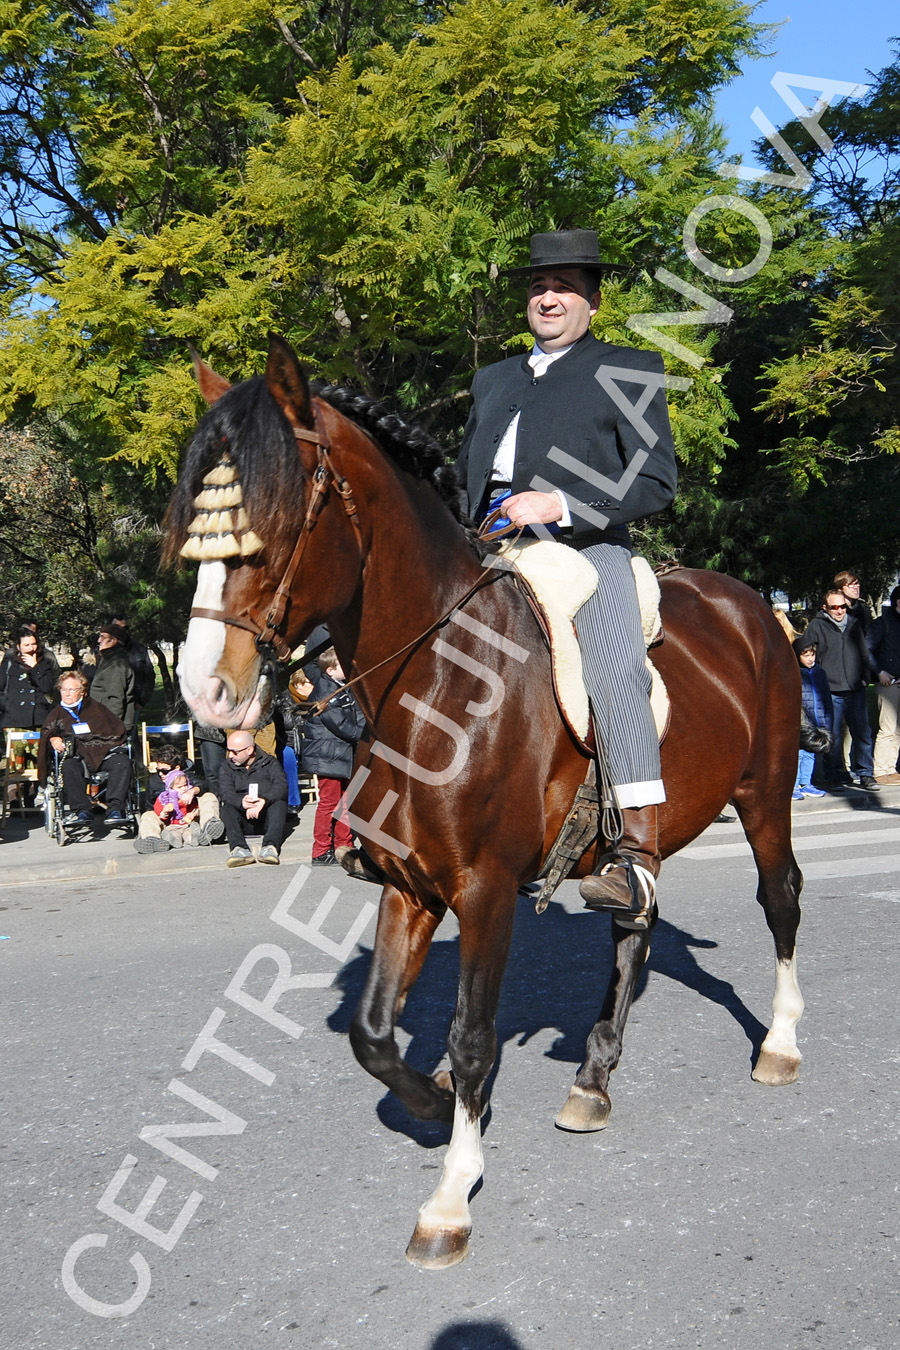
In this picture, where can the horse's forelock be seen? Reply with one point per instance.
(247, 424)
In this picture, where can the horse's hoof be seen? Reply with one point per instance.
(585, 1110)
(437, 1248)
(776, 1070)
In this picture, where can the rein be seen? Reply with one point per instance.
(490, 574)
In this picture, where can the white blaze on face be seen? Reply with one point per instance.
(205, 641)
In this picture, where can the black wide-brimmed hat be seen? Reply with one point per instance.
(564, 248)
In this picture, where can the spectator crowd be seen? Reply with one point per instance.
(247, 783)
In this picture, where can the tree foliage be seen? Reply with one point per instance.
(354, 176)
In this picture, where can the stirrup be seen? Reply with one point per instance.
(636, 915)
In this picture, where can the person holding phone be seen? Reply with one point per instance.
(252, 791)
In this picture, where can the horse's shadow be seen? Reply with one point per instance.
(558, 970)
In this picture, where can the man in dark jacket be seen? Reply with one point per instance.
(578, 430)
(252, 787)
(329, 741)
(842, 652)
(883, 642)
(113, 684)
(88, 734)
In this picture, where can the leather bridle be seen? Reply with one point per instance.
(267, 622)
(267, 630)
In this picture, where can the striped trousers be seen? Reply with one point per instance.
(618, 682)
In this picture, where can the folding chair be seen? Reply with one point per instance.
(21, 767)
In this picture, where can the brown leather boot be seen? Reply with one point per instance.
(625, 886)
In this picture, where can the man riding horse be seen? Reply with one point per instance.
(577, 451)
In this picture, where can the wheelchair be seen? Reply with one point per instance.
(61, 824)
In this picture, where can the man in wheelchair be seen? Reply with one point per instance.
(86, 736)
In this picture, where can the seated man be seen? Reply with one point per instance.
(93, 736)
(151, 826)
(252, 788)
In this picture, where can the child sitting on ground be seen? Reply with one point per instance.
(179, 810)
(819, 709)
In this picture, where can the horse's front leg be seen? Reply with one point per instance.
(402, 939)
(441, 1236)
(588, 1106)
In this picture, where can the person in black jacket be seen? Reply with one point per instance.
(142, 667)
(328, 745)
(883, 642)
(579, 431)
(113, 681)
(252, 788)
(26, 684)
(841, 650)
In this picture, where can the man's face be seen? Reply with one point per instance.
(239, 753)
(559, 306)
(106, 643)
(836, 605)
(851, 589)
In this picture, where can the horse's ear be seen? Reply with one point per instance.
(287, 383)
(212, 386)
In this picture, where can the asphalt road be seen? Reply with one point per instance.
(712, 1211)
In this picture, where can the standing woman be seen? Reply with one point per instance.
(27, 677)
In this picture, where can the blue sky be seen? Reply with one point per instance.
(830, 39)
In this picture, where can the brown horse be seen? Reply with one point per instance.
(467, 770)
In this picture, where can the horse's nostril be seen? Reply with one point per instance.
(221, 695)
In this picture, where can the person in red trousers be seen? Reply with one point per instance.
(329, 741)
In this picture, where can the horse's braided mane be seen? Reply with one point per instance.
(411, 448)
(249, 424)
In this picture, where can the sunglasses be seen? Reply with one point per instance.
(835, 606)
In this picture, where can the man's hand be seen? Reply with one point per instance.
(885, 678)
(58, 744)
(529, 508)
(188, 794)
(255, 809)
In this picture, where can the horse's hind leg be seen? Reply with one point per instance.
(588, 1106)
(768, 830)
(402, 939)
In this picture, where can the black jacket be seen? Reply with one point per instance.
(330, 738)
(842, 653)
(26, 692)
(265, 772)
(883, 642)
(113, 685)
(568, 410)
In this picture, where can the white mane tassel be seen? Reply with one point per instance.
(217, 531)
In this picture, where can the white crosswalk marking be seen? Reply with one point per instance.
(815, 830)
(849, 839)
